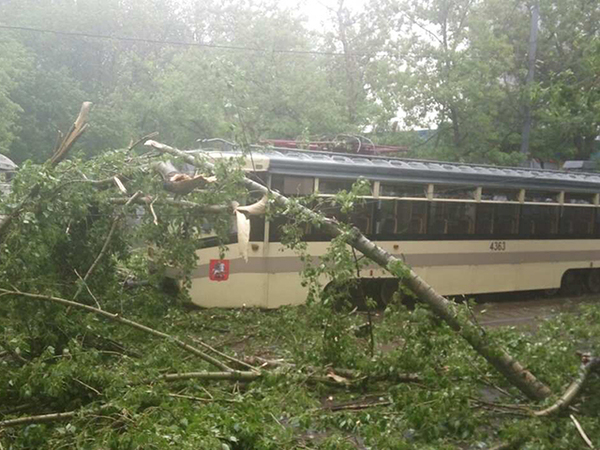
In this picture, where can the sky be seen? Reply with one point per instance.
(317, 10)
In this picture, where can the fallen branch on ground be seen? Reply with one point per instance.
(116, 318)
(224, 355)
(356, 406)
(584, 436)
(44, 418)
(572, 391)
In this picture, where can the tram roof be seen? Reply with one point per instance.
(311, 163)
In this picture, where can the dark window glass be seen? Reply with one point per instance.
(362, 217)
(506, 219)
(577, 221)
(257, 228)
(537, 220)
(402, 190)
(275, 230)
(411, 217)
(500, 195)
(334, 186)
(454, 192)
(401, 217)
(451, 218)
(541, 196)
(262, 176)
(290, 185)
(387, 222)
(579, 199)
(485, 219)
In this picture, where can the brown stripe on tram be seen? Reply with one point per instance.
(287, 264)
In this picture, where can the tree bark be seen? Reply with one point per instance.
(498, 357)
(77, 129)
(177, 182)
(572, 391)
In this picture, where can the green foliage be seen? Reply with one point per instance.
(456, 68)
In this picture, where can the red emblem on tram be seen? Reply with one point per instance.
(219, 270)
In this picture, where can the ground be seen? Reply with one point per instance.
(454, 400)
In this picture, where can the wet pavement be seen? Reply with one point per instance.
(525, 309)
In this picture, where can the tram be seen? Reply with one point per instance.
(464, 228)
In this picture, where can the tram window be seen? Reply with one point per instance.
(290, 185)
(485, 219)
(362, 217)
(401, 217)
(411, 217)
(506, 219)
(537, 220)
(262, 176)
(451, 218)
(275, 231)
(454, 192)
(277, 183)
(500, 195)
(387, 222)
(541, 196)
(579, 199)
(334, 186)
(577, 220)
(403, 190)
(257, 228)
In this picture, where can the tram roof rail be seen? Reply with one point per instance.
(385, 168)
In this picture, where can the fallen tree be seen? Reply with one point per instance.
(93, 219)
(498, 357)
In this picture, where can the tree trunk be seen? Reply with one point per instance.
(514, 372)
(535, 13)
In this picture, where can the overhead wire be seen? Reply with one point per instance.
(174, 43)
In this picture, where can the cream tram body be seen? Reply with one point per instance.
(465, 229)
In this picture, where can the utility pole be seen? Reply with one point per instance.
(535, 17)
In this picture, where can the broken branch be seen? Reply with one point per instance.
(584, 436)
(77, 129)
(116, 318)
(142, 140)
(106, 243)
(572, 391)
(44, 418)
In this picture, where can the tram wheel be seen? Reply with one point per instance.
(387, 291)
(572, 283)
(592, 281)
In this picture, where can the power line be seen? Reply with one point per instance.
(168, 42)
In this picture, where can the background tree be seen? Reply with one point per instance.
(568, 112)
(253, 69)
